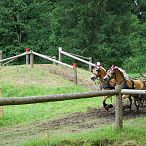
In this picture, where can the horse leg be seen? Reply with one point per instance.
(142, 99)
(137, 103)
(105, 105)
(130, 101)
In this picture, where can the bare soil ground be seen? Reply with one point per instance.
(67, 73)
(72, 123)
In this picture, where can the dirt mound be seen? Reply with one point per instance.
(67, 73)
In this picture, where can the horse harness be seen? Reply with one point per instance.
(106, 86)
(125, 86)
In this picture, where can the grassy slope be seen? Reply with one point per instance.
(18, 81)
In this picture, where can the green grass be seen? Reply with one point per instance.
(134, 75)
(20, 81)
(27, 113)
(133, 134)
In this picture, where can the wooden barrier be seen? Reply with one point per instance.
(51, 59)
(1, 57)
(85, 58)
(119, 109)
(14, 57)
(31, 58)
(56, 61)
(75, 57)
(75, 72)
(54, 57)
(9, 61)
(1, 108)
(60, 50)
(27, 56)
(54, 97)
(90, 66)
(72, 96)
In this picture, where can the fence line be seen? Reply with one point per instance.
(54, 97)
(51, 59)
(72, 96)
(1, 54)
(30, 60)
(9, 61)
(88, 58)
(72, 56)
(14, 57)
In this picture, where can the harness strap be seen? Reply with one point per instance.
(106, 86)
(144, 82)
(133, 87)
(125, 86)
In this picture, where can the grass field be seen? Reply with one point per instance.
(19, 81)
(22, 81)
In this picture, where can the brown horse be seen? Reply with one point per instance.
(121, 78)
(98, 72)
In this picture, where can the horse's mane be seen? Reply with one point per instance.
(103, 68)
(124, 73)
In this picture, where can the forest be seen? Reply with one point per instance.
(109, 31)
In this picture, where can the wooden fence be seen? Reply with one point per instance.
(61, 97)
(72, 96)
(30, 60)
(75, 57)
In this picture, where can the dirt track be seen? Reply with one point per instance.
(72, 123)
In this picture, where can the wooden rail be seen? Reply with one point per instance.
(61, 97)
(75, 57)
(53, 98)
(14, 57)
(72, 96)
(51, 59)
(9, 61)
(30, 60)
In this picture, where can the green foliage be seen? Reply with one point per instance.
(135, 64)
(109, 31)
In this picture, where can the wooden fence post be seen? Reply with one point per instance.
(1, 108)
(1, 57)
(75, 71)
(31, 58)
(60, 56)
(54, 57)
(27, 56)
(90, 60)
(118, 108)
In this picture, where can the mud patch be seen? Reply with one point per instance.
(72, 123)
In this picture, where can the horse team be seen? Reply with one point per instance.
(117, 76)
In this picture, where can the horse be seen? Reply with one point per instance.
(121, 78)
(98, 72)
